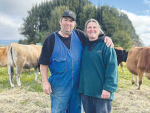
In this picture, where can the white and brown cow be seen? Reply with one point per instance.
(3, 56)
(138, 63)
(22, 56)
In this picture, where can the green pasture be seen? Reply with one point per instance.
(125, 79)
(28, 80)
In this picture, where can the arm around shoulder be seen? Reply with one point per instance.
(108, 42)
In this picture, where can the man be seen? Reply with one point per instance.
(61, 53)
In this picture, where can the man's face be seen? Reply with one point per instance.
(67, 25)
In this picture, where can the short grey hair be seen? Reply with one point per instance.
(95, 21)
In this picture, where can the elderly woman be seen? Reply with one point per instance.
(99, 73)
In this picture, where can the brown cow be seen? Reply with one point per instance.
(3, 56)
(138, 62)
(121, 64)
(22, 56)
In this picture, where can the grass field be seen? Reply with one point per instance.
(29, 98)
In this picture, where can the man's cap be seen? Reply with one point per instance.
(69, 13)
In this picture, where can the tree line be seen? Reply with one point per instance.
(43, 19)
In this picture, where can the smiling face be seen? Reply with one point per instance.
(92, 31)
(67, 25)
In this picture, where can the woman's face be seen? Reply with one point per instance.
(92, 31)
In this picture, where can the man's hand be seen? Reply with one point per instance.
(108, 42)
(46, 85)
(47, 88)
(105, 94)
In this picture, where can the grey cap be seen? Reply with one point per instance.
(69, 13)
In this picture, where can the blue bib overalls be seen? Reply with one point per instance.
(65, 67)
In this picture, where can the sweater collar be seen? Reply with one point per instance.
(100, 37)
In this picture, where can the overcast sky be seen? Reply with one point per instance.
(13, 11)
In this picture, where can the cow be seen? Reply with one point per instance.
(121, 55)
(22, 56)
(1, 48)
(138, 63)
(3, 56)
(121, 64)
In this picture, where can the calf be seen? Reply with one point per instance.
(22, 56)
(138, 62)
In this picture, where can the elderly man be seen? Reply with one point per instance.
(61, 53)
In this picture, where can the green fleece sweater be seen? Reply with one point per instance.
(99, 70)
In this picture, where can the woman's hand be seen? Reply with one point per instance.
(108, 42)
(105, 94)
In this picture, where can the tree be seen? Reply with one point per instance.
(30, 25)
(121, 39)
(44, 19)
(89, 11)
(40, 18)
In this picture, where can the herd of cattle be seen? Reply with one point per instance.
(26, 56)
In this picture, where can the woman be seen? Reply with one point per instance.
(98, 73)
